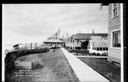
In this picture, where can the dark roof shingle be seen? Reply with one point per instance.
(86, 36)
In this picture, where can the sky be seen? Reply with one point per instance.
(25, 23)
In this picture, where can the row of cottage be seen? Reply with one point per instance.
(94, 42)
(98, 42)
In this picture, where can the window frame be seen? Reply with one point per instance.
(112, 10)
(112, 39)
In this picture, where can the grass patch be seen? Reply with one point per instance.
(52, 66)
(102, 66)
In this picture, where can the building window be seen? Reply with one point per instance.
(97, 48)
(114, 10)
(116, 42)
(100, 49)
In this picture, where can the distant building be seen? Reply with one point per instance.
(75, 40)
(54, 40)
(54, 43)
(114, 32)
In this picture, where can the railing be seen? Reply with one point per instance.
(28, 46)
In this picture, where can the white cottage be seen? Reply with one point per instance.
(98, 44)
(54, 42)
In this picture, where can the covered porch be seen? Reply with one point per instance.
(54, 43)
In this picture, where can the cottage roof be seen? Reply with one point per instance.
(81, 36)
(99, 41)
(54, 41)
(86, 36)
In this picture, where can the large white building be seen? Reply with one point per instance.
(115, 26)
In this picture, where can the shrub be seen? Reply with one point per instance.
(98, 54)
(104, 54)
(93, 53)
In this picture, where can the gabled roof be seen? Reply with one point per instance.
(86, 36)
(81, 36)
